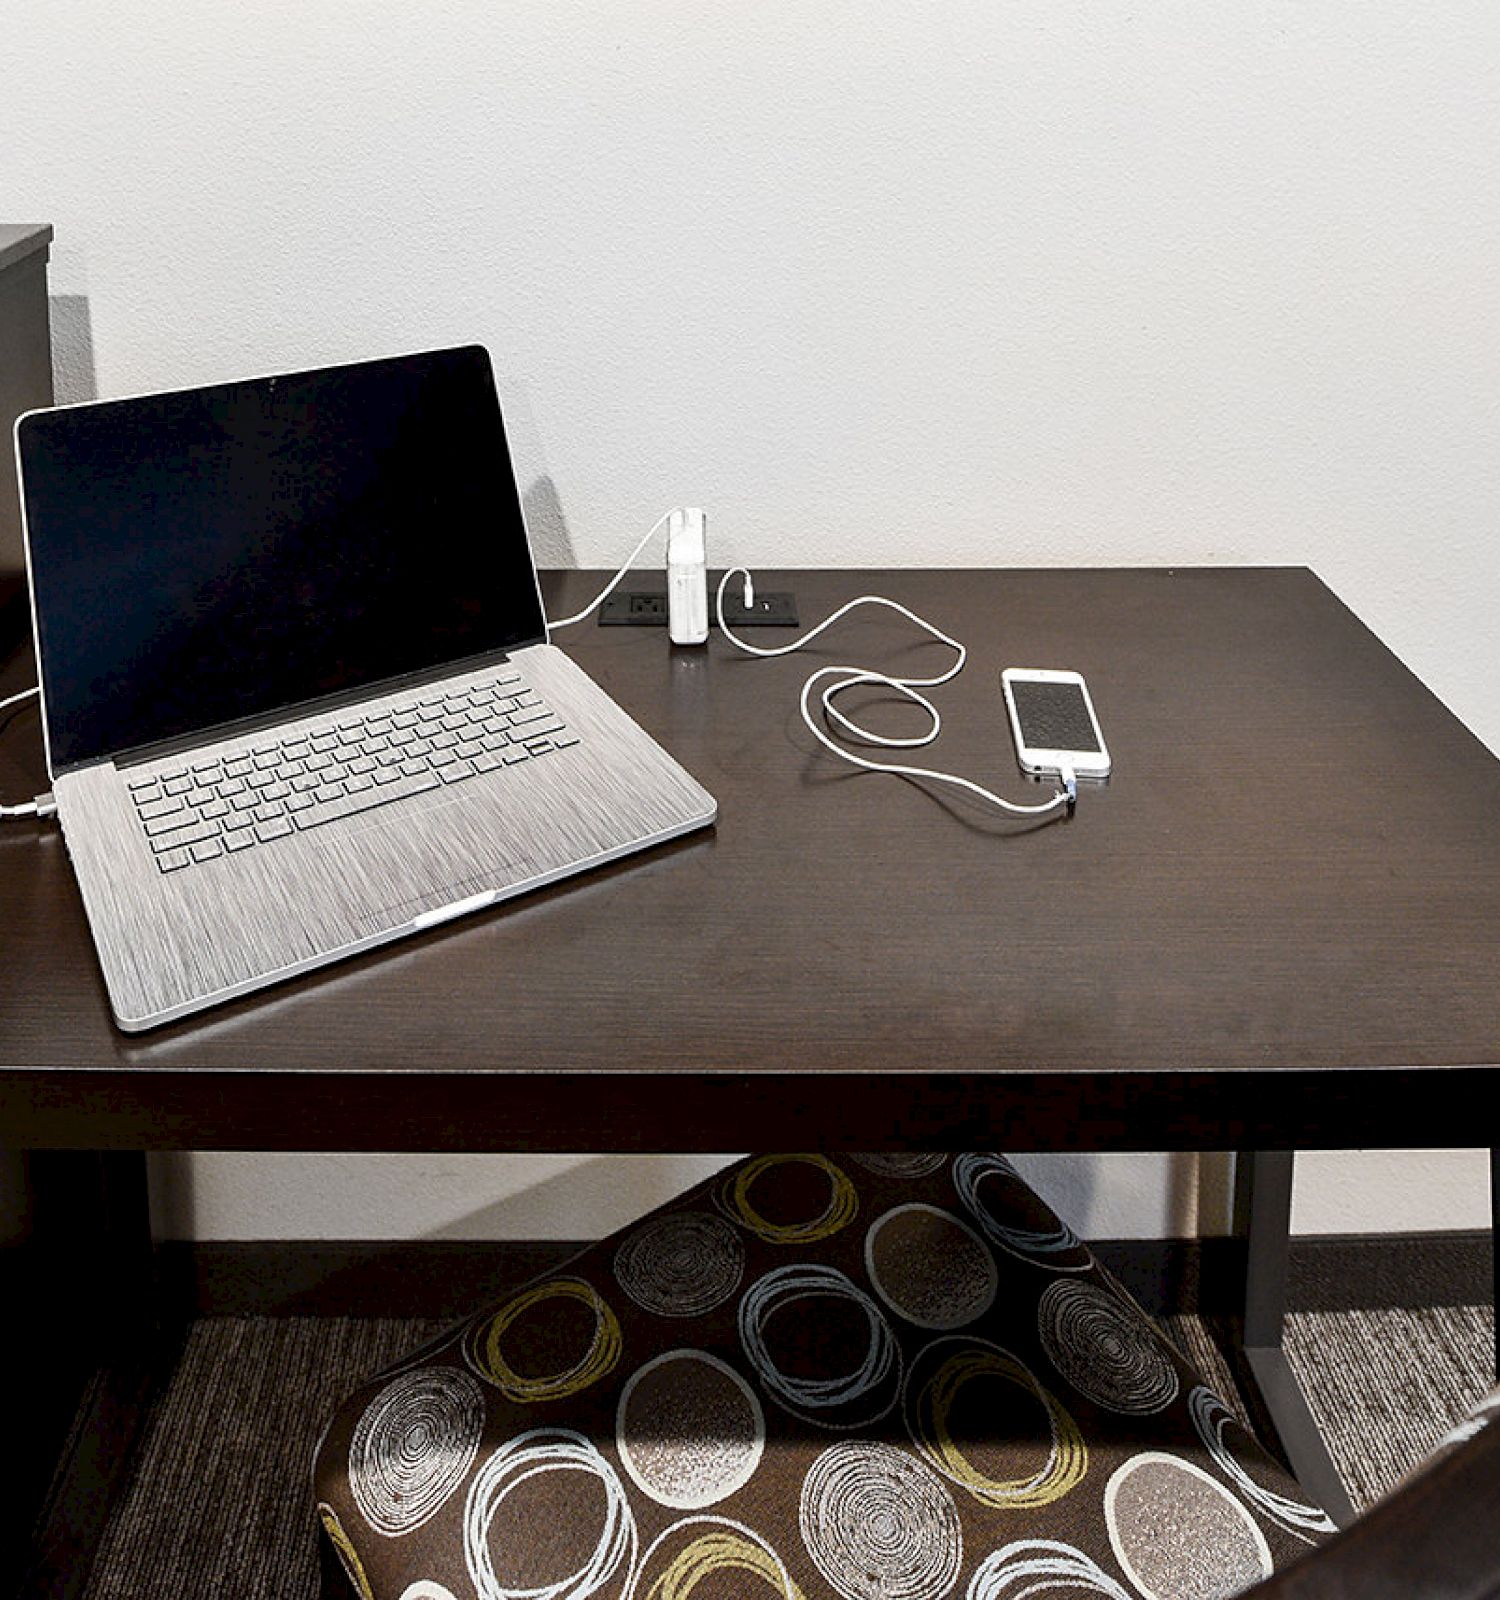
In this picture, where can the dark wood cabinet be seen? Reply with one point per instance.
(25, 382)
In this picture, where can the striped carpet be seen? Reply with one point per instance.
(220, 1505)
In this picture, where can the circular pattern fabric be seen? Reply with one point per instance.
(1105, 1349)
(919, 1164)
(854, 1397)
(689, 1430)
(1212, 1418)
(681, 1264)
(413, 1445)
(1042, 1569)
(1042, 1439)
(839, 1211)
(929, 1267)
(1010, 1214)
(1178, 1533)
(699, 1550)
(879, 1525)
(485, 1354)
(528, 1461)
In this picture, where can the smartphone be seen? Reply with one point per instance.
(1052, 720)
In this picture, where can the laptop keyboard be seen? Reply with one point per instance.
(214, 807)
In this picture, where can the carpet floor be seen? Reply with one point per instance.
(219, 1503)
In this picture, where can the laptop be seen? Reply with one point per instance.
(297, 691)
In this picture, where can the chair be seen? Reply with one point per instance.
(1435, 1537)
(880, 1377)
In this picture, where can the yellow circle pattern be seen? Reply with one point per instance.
(719, 1551)
(348, 1555)
(597, 1360)
(934, 1405)
(843, 1202)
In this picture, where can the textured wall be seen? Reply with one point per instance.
(1046, 282)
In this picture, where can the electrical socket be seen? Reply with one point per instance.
(776, 609)
(634, 610)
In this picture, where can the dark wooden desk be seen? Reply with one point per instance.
(1275, 927)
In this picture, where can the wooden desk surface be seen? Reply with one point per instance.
(1276, 920)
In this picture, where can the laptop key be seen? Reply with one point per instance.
(170, 860)
(153, 809)
(515, 753)
(238, 838)
(352, 804)
(207, 849)
(452, 771)
(180, 837)
(266, 831)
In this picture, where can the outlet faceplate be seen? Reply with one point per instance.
(634, 611)
(777, 609)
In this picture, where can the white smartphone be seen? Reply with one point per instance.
(1052, 720)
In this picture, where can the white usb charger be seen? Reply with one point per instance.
(687, 576)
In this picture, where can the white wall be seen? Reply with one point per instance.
(1042, 282)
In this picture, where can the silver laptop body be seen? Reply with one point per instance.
(216, 859)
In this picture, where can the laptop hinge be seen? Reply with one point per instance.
(242, 726)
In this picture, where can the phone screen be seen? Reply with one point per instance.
(1053, 716)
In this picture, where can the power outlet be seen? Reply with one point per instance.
(777, 609)
(634, 611)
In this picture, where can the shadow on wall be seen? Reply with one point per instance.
(74, 375)
(547, 527)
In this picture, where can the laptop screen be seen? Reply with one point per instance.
(215, 554)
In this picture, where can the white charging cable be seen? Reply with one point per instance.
(845, 677)
(42, 806)
(609, 588)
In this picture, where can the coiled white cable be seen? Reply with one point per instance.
(847, 677)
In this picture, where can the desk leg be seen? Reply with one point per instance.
(1263, 1217)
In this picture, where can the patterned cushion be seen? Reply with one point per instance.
(877, 1377)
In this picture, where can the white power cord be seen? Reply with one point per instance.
(43, 805)
(609, 588)
(845, 677)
